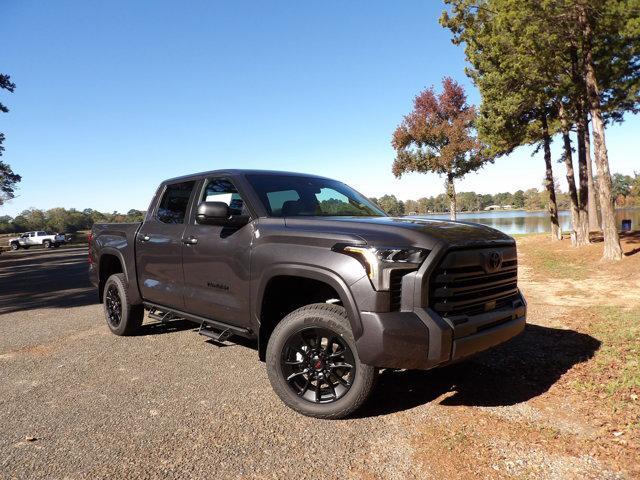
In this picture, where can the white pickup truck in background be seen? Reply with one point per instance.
(30, 239)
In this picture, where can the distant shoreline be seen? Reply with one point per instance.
(504, 210)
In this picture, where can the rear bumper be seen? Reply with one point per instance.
(421, 339)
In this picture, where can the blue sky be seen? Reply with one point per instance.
(113, 97)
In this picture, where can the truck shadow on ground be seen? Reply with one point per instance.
(512, 373)
(45, 279)
(159, 328)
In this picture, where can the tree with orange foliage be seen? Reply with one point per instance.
(439, 136)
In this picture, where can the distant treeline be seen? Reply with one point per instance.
(63, 220)
(625, 190)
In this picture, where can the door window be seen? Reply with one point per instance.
(174, 203)
(222, 190)
(278, 199)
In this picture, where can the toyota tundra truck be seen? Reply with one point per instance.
(329, 287)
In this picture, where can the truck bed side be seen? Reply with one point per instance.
(112, 250)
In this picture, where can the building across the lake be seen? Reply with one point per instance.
(498, 207)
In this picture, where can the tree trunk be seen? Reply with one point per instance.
(612, 248)
(571, 181)
(583, 190)
(592, 203)
(556, 232)
(451, 193)
(582, 227)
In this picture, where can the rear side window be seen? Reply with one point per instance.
(174, 202)
(41, 234)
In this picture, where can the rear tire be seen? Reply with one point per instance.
(46, 244)
(313, 365)
(122, 317)
(56, 245)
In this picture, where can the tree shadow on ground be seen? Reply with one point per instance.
(629, 238)
(512, 373)
(45, 279)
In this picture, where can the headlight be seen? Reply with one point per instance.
(379, 262)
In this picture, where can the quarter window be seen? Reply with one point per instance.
(174, 203)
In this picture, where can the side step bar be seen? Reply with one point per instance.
(206, 324)
(219, 337)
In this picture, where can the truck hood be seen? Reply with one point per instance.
(401, 231)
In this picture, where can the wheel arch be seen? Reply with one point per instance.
(300, 276)
(110, 261)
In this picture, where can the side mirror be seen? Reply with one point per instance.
(212, 213)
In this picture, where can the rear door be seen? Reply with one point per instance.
(216, 264)
(159, 247)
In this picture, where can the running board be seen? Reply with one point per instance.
(162, 317)
(219, 337)
(210, 324)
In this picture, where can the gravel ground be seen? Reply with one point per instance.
(79, 402)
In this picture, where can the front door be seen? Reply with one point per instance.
(159, 247)
(216, 265)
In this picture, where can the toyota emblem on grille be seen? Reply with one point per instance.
(493, 261)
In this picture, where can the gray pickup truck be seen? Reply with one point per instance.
(330, 287)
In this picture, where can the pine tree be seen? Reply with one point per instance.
(8, 179)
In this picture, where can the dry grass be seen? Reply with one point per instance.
(562, 399)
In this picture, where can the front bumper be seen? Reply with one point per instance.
(421, 339)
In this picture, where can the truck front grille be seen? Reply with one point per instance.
(465, 282)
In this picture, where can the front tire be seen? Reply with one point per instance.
(313, 365)
(122, 317)
(15, 246)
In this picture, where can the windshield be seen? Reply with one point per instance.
(291, 196)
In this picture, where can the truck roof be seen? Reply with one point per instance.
(236, 172)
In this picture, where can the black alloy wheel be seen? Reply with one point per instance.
(113, 306)
(318, 365)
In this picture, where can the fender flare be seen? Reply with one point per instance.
(315, 273)
(133, 289)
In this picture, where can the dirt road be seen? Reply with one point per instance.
(78, 402)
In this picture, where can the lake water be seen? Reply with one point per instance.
(518, 221)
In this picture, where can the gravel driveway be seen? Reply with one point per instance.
(79, 402)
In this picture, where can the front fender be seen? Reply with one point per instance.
(315, 273)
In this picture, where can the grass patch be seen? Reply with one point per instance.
(557, 264)
(614, 375)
